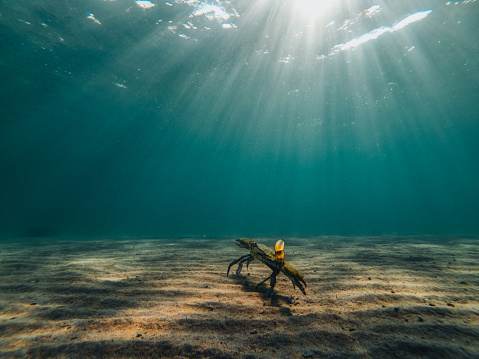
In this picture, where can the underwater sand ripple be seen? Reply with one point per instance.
(367, 297)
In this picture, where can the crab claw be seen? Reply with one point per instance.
(295, 277)
(279, 250)
(243, 243)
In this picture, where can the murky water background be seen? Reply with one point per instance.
(242, 117)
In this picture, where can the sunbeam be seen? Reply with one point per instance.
(313, 8)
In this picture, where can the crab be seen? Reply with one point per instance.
(273, 259)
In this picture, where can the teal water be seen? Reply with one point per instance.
(242, 117)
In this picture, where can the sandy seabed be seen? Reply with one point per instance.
(367, 297)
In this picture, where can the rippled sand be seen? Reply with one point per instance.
(368, 297)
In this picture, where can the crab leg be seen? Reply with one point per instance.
(263, 281)
(240, 265)
(247, 258)
(272, 283)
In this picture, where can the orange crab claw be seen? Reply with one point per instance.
(279, 250)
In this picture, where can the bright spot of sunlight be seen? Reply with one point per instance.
(374, 34)
(144, 4)
(211, 11)
(92, 17)
(372, 10)
(312, 7)
(411, 18)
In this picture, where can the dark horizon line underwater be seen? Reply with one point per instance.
(223, 236)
